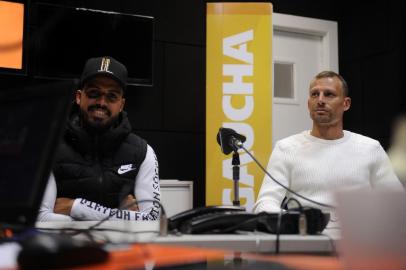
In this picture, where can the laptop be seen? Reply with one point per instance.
(32, 122)
(373, 229)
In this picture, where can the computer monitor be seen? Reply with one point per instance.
(33, 119)
(63, 38)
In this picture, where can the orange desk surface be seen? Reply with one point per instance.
(138, 256)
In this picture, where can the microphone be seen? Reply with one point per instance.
(229, 140)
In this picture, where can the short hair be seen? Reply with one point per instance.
(332, 74)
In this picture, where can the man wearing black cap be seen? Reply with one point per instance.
(101, 165)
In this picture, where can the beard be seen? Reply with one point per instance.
(95, 124)
(322, 119)
(326, 120)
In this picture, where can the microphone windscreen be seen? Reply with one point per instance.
(224, 139)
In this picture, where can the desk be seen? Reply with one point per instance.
(147, 232)
(155, 256)
(153, 250)
(256, 242)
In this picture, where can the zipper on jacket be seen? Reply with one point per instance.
(99, 166)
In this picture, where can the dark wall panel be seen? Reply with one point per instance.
(321, 9)
(354, 119)
(180, 21)
(371, 43)
(144, 104)
(381, 99)
(184, 106)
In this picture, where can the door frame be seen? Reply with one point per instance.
(326, 30)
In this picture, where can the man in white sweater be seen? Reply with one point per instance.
(326, 159)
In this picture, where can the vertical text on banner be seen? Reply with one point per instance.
(238, 95)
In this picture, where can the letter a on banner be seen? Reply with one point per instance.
(238, 96)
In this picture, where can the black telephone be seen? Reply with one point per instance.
(210, 219)
(228, 219)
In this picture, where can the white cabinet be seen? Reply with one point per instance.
(176, 196)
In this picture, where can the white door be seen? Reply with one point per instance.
(302, 47)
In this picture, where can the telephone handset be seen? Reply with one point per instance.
(229, 219)
(203, 219)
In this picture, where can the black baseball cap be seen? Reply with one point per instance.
(106, 66)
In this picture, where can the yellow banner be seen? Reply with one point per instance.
(238, 96)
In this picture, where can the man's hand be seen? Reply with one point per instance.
(130, 203)
(63, 206)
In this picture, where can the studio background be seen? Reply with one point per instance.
(170, 115)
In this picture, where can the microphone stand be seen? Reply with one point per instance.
(236, 177)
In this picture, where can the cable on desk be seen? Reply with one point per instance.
(281, 213)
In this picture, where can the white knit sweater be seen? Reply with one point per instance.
(316, 168)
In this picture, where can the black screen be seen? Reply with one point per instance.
(33, 119)
(66, 37)
(23, 130)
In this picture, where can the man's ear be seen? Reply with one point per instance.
(347, 103)
(122, 104)
(78, 96)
